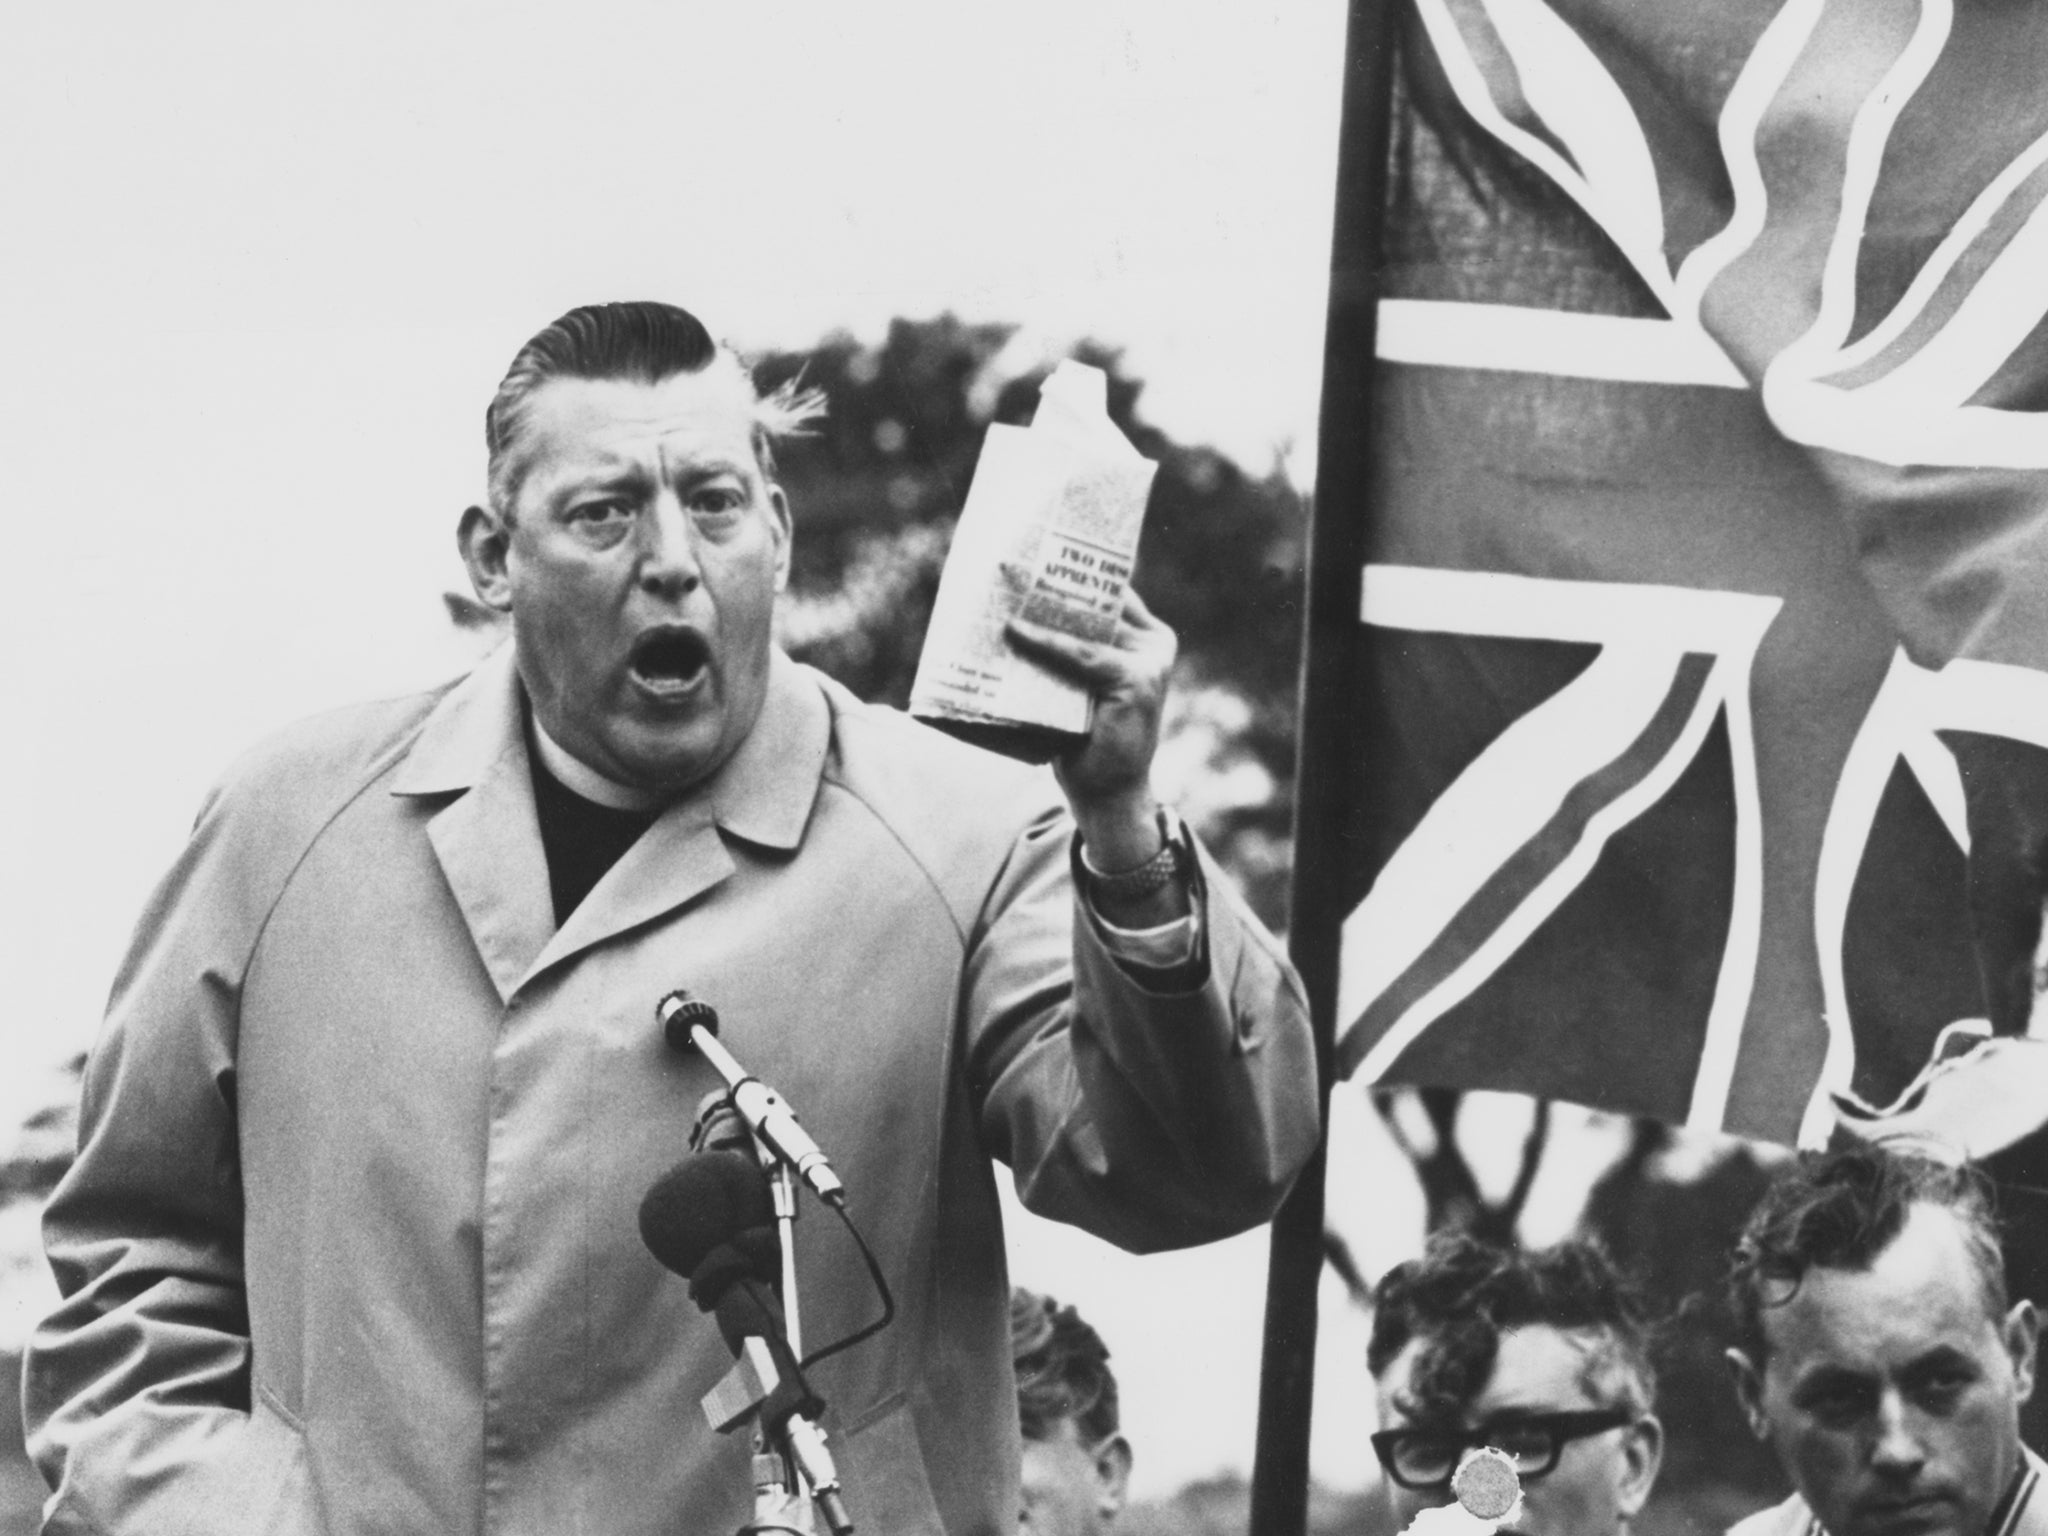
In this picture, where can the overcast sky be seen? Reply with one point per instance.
(263, 264)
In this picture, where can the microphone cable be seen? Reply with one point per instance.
(859, 1335)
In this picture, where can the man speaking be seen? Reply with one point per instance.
(350, 1243)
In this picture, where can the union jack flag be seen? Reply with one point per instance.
(1711, 510)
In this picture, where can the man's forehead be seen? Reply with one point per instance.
(1536, 1367)
(1539, 1367)
(1922, 1293)
(569, 420)
(1063, 1431)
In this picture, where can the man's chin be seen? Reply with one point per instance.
(1930, 1516)
(671, 761)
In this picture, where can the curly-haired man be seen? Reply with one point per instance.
(1077, 1464)
(1543, 1355)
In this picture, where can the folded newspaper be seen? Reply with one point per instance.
(1049, 533)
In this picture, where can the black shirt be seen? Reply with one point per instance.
(581, 838)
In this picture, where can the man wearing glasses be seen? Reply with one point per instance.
(1879, 1356)
(1540, 1355)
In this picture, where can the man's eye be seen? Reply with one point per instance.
(716, 500)
(1840, 1405)
(1522, 1442)
(1940, 1391)
(600, 512)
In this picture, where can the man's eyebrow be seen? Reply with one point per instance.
(620, 475)
(710, 469)
(1943, 1357)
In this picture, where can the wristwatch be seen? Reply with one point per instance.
(1168, 864)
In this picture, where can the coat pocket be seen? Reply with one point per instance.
(238, 1475)
(882, 1467)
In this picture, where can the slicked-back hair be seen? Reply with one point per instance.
(1062, 1370)
(1840, 1210)
(1462, 1294)
(641, 342)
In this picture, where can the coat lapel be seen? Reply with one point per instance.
(681, 856)
(487, 838)
(762, 795)
(2023, 1511)
(2027, 1512)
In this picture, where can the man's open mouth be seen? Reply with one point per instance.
(670, 659)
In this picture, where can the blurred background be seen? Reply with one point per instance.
(265, 267)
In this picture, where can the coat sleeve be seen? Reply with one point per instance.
(136, 1390)
(1157, 1110)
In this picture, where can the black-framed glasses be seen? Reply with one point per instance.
(1424, 1459)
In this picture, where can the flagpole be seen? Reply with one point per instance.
(1330, 744)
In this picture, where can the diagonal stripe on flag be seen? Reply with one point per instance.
(1573, 827)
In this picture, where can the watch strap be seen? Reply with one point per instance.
(1134, 884)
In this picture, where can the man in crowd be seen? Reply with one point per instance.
(350, 1242)
(1879, 1357)
(1077, 1464)
(1543, 1356)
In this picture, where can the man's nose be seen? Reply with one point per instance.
(668, 549)
(1897, 1449)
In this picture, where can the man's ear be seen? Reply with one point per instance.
(486, 543)
(1112, 1476)
(1749, 1391)
(1642, 1454)
(2022, 1333)
(778, 504)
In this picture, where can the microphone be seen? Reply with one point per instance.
(690, 1024)
(710, 1218)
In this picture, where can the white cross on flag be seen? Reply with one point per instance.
(1709, 534)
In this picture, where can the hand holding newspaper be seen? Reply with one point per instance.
(1049, 533)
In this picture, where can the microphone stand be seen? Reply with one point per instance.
(792, 1469)
(752, 1392)
(780, 1501)
(782, 1185)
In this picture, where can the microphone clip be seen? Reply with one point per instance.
(756, 1390)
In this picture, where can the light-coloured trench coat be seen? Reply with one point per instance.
(350, 1246)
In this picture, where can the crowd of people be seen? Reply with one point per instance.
(349, 1244)
(1874, 1349)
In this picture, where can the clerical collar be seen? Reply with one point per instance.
(579, 777)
